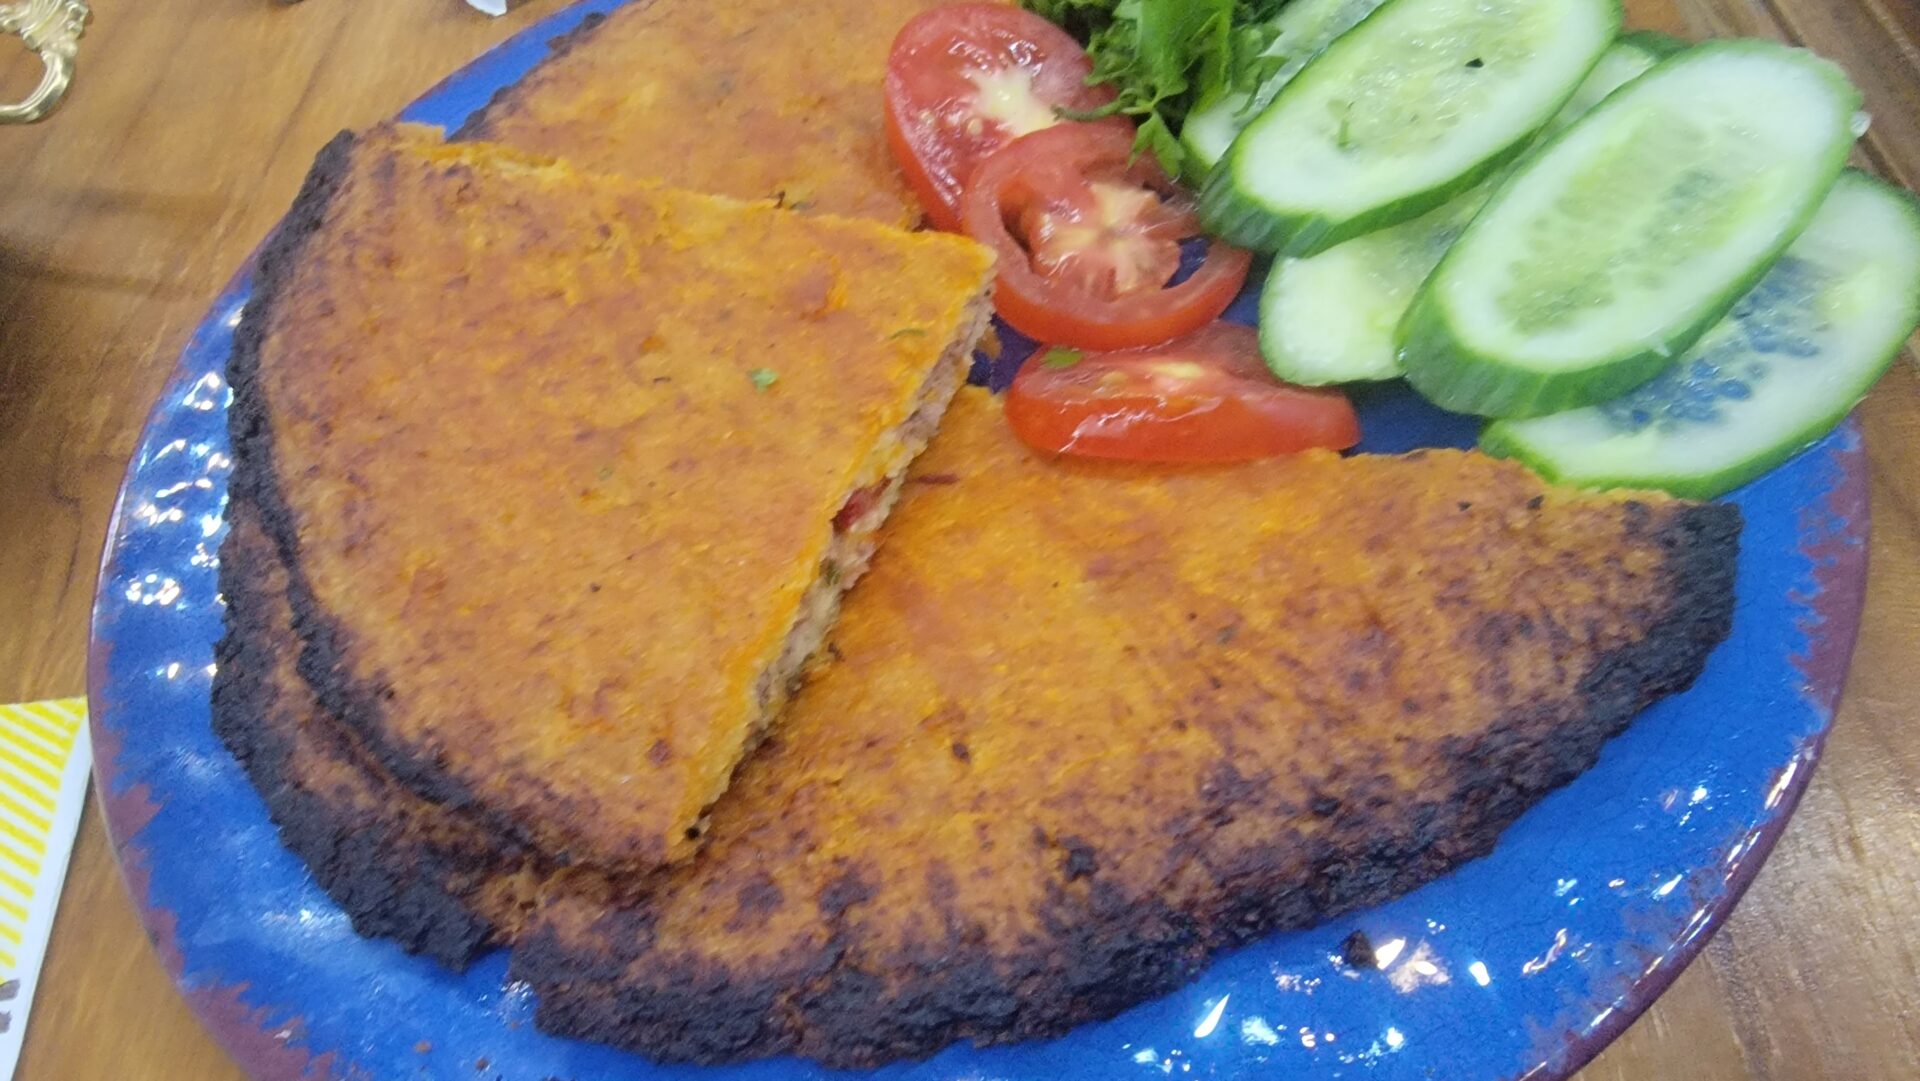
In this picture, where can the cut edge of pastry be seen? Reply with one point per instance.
(856, 536)
(854, 533)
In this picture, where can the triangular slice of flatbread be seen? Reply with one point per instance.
(570, 471)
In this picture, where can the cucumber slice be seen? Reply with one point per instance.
(1794, 357)
(1331, 318)
(1420, 102)
(1624, 61)
(1655, 43)
(1209, 130)
(1305, 28)
(1632, 233)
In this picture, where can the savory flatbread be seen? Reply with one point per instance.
(759, 99)
(1242, 763)
(435, 881)
(1085, 725)
(570, 472)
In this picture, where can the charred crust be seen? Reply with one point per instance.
(1105, 951)
(248, 423)
(849, 888)
(1357, 951)
(503, 99)
(390, 883)
(1082, 860)
(255, 481)
(758, 899)
(249, 419)
(325, 644)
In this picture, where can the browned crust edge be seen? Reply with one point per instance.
(391, 884)
(1116, 959)
(475, 125)
(1105, 955)
(356, 703)
(390, 880)
(250, 426)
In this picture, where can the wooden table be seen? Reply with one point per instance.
(191, 126)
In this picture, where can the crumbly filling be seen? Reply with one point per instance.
(856, 535)
(856, 529)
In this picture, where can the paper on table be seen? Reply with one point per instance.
(44, 759)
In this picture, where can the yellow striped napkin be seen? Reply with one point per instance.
(44, 759)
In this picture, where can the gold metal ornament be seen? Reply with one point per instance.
(51, 28)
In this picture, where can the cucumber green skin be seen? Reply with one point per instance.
(1201, 160)
(1203, 156)
(1280, 360)
(1568, 114)
(1501, 441)
(1455, 376)
(1655, 43)
(1249, 223)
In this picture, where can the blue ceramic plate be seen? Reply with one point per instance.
(1521, 965)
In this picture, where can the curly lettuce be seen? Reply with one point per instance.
(1164, 57)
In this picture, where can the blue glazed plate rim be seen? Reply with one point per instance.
(1830, 537)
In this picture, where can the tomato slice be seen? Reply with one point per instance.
(1206, 397)
(1089, 237)
(964, 80)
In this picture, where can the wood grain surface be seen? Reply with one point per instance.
(190, 126)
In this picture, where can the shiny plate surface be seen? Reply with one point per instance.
(1520, 965)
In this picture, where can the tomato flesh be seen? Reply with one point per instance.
(1116, 239)
(1206, 397)
(964, 80)
(1088, 239)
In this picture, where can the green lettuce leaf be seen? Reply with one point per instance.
(1164, 57)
